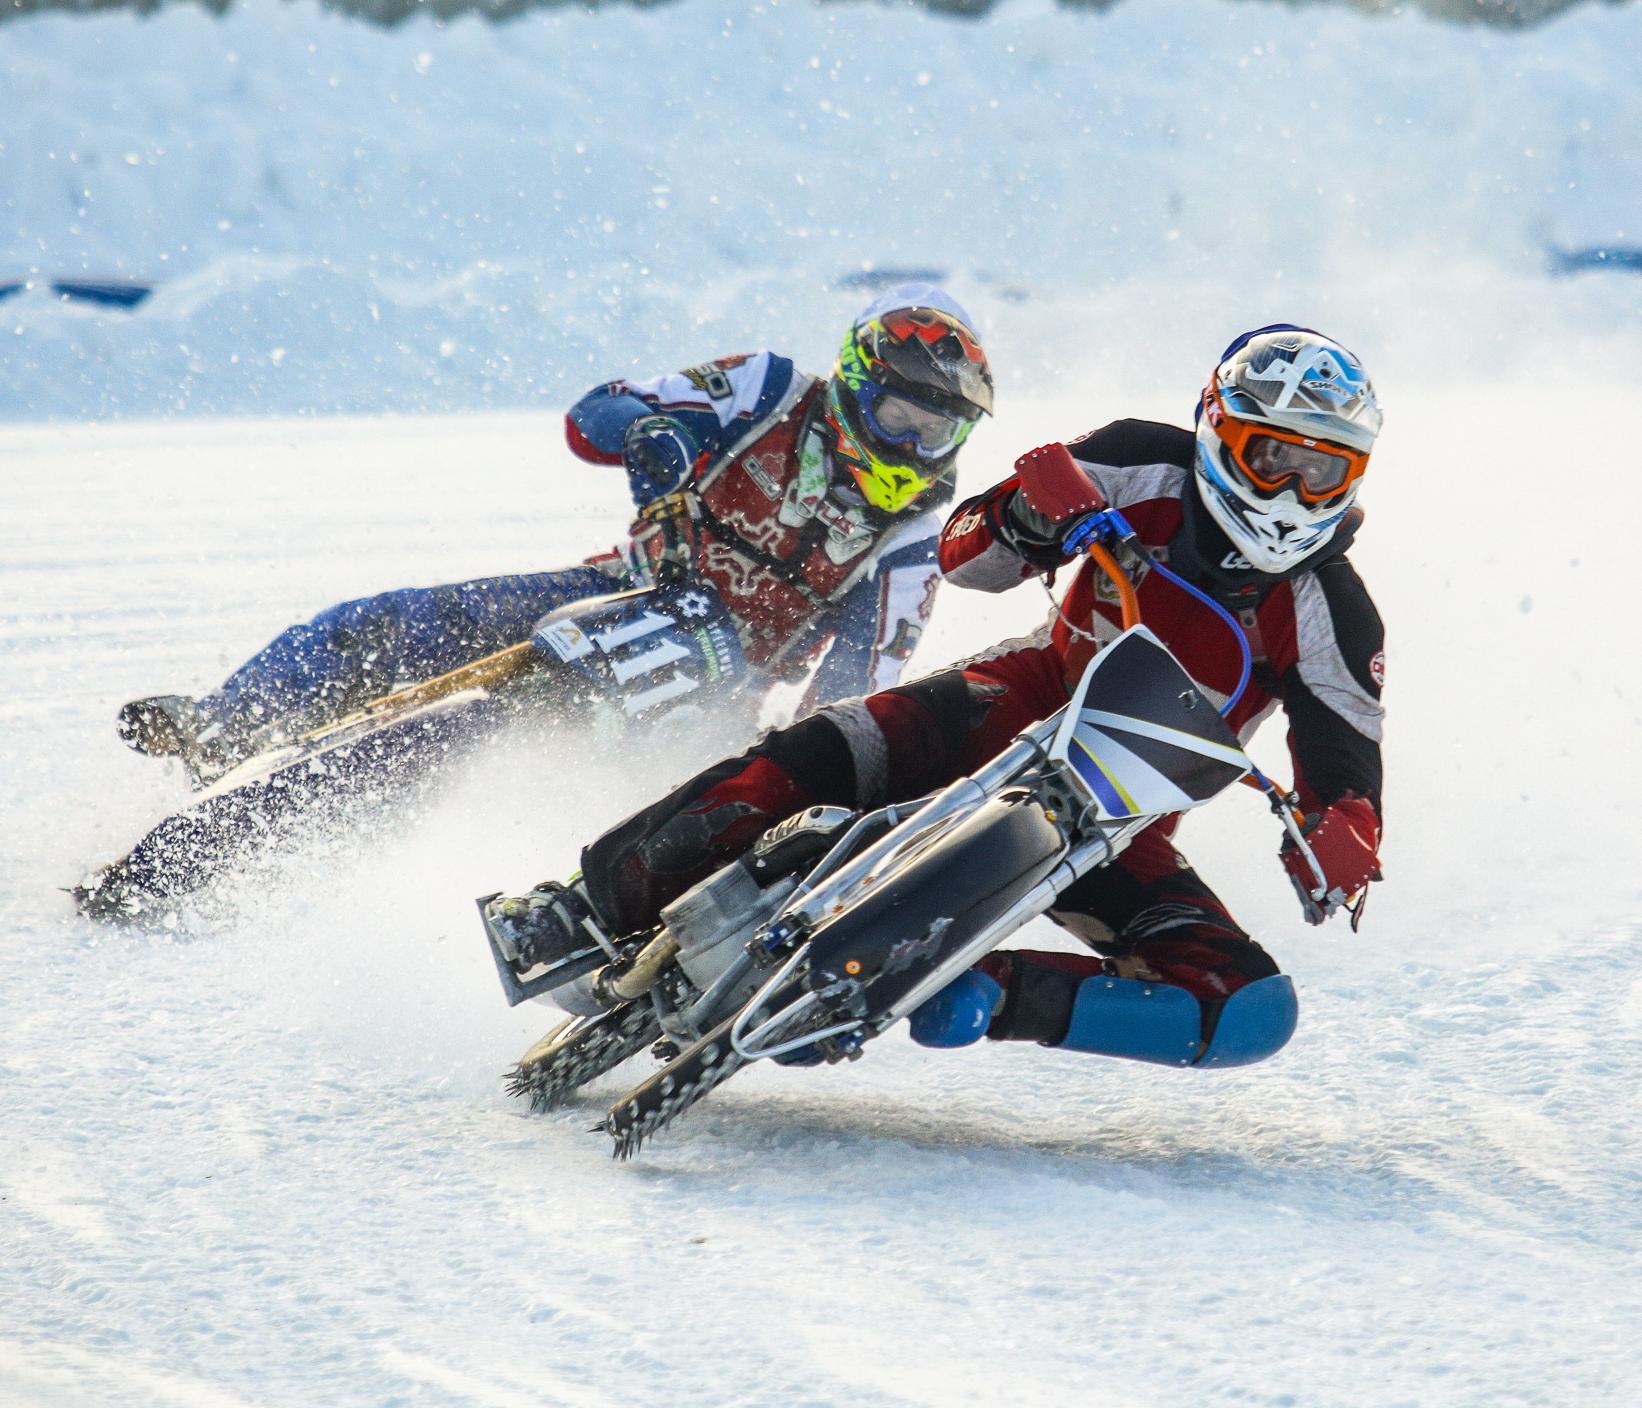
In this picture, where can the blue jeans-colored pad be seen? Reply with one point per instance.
(369, 644)
(1255, 1023)
(959, 1013)
(1136, 1020)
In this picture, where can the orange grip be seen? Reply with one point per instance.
(1127, 599)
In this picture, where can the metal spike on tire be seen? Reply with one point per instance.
(581, 1050)
(672, 1090)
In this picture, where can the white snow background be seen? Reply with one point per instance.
(263, 1156)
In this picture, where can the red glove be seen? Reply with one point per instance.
(1053, 495)
(1345, 839)
(1055, 488)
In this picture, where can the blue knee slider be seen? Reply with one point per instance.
(959, 1013)
(1142, 1021)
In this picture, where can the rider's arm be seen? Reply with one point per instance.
(991, 545)
(878, 624)
(980, 548)
(714, 403)
(1330, 678)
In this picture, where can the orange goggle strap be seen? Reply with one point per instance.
(1235, 434)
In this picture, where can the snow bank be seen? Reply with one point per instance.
(452, 217)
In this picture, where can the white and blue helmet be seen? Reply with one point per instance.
(1284, 432)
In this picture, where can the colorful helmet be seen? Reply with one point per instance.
(1284, 431)
(910, 383)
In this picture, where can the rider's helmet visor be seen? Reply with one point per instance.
(894, 418)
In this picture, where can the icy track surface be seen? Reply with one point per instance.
(264, 1157)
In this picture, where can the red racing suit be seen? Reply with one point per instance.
(803, 565)
(1318, 646)
(1316, 639)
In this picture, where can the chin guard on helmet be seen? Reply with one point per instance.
(909, 385)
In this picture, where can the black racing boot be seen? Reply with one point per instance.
(551, 925)
(162, 726)
(173, 726)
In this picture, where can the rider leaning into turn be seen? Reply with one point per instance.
(811, 505)
(1254, 507)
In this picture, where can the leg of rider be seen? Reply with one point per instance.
(356, 650)
(1174, 959)
(861, 753)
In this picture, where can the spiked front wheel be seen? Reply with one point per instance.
(672, 1090)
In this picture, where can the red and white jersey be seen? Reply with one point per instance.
(1317, 640)
(797, 562)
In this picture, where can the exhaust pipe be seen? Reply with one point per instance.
(613, 985)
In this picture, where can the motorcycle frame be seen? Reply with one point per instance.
(1083, 798)
(1087, 847)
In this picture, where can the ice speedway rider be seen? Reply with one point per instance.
(1256, 507)
(811, 505)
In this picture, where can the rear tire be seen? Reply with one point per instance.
(581, 1050)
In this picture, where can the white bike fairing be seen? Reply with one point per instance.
(1151, 747)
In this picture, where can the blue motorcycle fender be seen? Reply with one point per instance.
(646, 648)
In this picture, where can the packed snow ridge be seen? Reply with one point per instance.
(461, 216)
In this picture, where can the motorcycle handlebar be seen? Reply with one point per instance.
(1089, 536)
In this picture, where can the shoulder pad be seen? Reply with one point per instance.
(1131, 442)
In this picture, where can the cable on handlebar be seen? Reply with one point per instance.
(1228, 618)
(1108, 525)
(1090, 536)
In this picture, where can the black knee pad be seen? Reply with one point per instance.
(949, 699)
(609, 863)
(1037, 1004)
(816, 755)
(668, 838)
